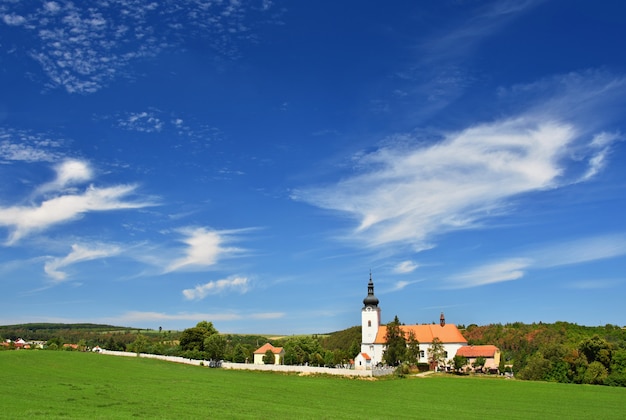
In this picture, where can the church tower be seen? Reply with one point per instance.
(370, 319)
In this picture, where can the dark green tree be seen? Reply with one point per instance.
(395, 343)
(412, 349)
(215, 347)
(269, 358)
(459, 362)
(239, 354)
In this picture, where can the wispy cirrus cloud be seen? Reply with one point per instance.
(405, 267)
(133, 317)
(83, 46)
(205, 247)
(496, 272)
(237, 284)
(79, 253)
(412, 189)
(61, 207)
(579, 251)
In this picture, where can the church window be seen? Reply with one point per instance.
(421, 353)
(369, 323)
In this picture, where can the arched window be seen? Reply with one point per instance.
(369, 323)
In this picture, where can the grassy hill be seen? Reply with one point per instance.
(51, 385)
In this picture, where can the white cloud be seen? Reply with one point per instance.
(204, 248)
(236, 284)
(22, 145)
(506, 270)
(78, 254)
(82, 46)
(405, 267)
(577, 251)
(146, 122)
(23, 220)
(70, 171)
(133, 317)
(580, 251)
(412, 193)
(413, 188)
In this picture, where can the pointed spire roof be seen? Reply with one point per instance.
(370, 299)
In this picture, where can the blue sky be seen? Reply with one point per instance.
(249, 163)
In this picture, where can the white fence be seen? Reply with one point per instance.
(310, 370)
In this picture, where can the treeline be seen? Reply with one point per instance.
(559, 352)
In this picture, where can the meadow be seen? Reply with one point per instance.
(58, 384)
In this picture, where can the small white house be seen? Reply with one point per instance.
(363, 362)
(279, 354)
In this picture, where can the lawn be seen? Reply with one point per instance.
(61, 384)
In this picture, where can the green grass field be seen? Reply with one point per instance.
(50, 384)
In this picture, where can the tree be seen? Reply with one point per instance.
(193, 339)
(479, 363)
(239, 354)
(412, 349)
(436, 353)
(215, 347)
(459, 362)
(596, 349)
(269, 358)
(395, 343)
(140, 344)
(596, 373)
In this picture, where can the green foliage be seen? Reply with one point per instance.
(436, 352)
(215, 347)
(459, 362)
(140, 344)
(395, 343)
(412, 349)
(302, 350)
(342, 340)
(596, 373)
(269, 358)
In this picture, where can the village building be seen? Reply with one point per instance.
(373, 335)
(259, 354)
(490, 353)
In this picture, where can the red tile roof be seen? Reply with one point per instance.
(366, 356)
(267, 346)
(478, 351)
(449, 333)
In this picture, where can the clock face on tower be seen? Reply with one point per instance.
(368, 309)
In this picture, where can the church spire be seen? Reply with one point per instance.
(370, 299)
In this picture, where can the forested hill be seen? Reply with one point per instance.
(519, 337)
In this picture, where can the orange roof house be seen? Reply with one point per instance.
(363, 361)
(279, 354)
(489, 352)
(426, 333)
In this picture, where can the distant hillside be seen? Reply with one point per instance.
(45, 326)
(341, 340)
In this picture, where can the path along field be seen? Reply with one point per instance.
(57, 384)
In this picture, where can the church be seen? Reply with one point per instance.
(373, 334)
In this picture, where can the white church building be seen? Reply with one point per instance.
(373, 335)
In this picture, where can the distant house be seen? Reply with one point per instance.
(363, 362)
(489, 352)
(279, 354)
